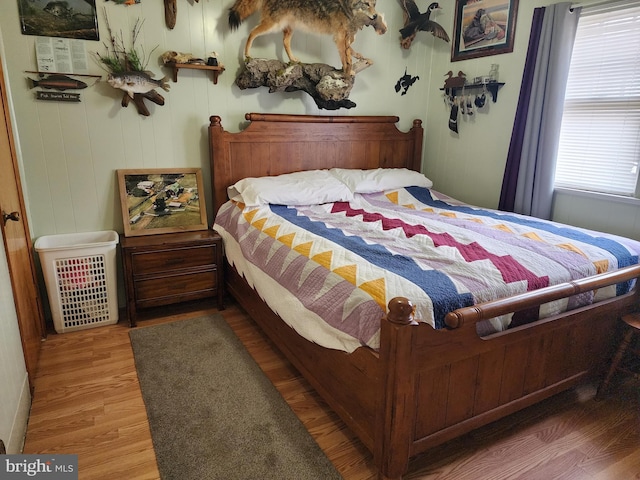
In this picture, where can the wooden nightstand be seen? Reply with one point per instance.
(172, 268)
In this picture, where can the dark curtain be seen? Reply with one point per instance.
(510, 178)
(530, 169)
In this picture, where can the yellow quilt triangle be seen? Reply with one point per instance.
(248, 216)
(288, 239)
(571, 248)
(601, 265)
(348, 272)
(533, 236)
(376, 288)
(272, 231)
(304, 248)
(259, 224)
(324, 259)
(503, 227)
(393, 197)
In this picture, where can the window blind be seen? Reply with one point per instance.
(599, 146)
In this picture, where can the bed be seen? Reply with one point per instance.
(417, 386)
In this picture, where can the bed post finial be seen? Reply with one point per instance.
(453, 320)
(215, 121)
(401, 311)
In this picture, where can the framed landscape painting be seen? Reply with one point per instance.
(161, 200)
(59, 18)
(483, 27)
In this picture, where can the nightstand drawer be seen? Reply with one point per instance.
(173, 288)
(164, 261)
(172, 268)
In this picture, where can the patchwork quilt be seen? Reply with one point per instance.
(329, 270)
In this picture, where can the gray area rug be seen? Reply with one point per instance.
(213, 413)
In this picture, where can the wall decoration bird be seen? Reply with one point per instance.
(454, 82)
(416, 21)
(405, 82)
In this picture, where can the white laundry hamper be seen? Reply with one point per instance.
(80, 276)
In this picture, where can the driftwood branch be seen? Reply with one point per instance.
(170, 13)
(138, 100)
(329, 87)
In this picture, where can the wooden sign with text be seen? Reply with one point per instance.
(58, 96)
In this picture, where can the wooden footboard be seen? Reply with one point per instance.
(440, 384)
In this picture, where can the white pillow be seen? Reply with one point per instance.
(380, 179)
(311, 187)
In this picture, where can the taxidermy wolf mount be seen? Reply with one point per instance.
(340, 18)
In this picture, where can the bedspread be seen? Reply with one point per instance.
(329, 270)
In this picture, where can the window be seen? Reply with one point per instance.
(599, 146)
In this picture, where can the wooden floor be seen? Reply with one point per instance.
(87, 401)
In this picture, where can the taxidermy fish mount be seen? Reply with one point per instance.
(136, 82)
(58, 82)
(127, 72)
(138, 86)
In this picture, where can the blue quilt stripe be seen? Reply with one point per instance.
(622, 255)
(437, 285)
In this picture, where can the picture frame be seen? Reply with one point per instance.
(483, 28)
(161, 200)
(76, 19)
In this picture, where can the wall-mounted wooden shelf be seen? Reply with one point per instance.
(491, 87)
(215, 70)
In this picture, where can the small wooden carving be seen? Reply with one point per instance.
(171, 13)
(454, 82)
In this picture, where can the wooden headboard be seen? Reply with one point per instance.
(273, 144)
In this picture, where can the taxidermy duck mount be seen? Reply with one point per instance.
(342, 19)
(415, 22)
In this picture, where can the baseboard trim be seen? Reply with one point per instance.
(15, 443)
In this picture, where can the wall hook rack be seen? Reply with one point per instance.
(491, 87)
